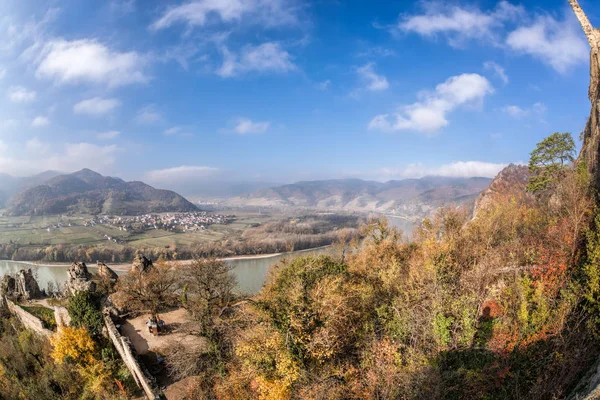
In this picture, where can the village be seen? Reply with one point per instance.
(172, 222)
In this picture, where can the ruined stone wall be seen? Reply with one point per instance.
(28, 320)
(124, 349)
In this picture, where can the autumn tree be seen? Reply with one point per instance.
(150, 291)
(208, 290)
(549, 160)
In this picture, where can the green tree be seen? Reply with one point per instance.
(83, 309)
(549, 160)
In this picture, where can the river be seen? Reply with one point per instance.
(251, 272)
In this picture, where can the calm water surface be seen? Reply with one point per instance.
(250, 272)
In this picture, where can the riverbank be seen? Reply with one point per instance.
(124, 267)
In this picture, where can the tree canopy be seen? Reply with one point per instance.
(549, 160)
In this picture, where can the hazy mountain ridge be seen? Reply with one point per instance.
(89, 192)
(409, 198)
(11, 185)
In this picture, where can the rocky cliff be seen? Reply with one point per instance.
(511, 182)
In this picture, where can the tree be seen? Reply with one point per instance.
(83, 309)
(208, 290)
(149, 291)
(549, 160)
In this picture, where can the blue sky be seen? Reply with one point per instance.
(176, 93)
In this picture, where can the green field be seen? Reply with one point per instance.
(31, 231)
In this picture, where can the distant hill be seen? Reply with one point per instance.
(11, 185)
(409, 198)
(88, 192)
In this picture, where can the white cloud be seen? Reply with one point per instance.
(517, 112)
(149, 115)
(108, 135)
(182, 173)
(459, 169)
(89, 61)
(374, 81)
(460, 24)
(96, 106)
(497, 69)
(172, 131)
(267, 57)
(203, 12)
(40, 122)
(430, 114)
(19, 94)
(559, 44)
(245, 126)
(36, 146)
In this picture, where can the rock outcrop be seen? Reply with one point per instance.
(105, 273)
(590, 150)
(141, 264)
(80, 279)
(23, 287)
(27, 287)
(8, 286)
(511, 182)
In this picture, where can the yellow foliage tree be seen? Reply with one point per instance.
(73, 345)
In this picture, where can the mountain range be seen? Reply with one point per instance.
(409, 198)
(88, 192)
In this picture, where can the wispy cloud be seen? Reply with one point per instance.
(517, 112)
(497, 69)
(172, 131)
(19, 94)
(458, 169)
(149, 115)
(245, 126)
(40, 122)
(181, 173)
(202, 12)
(374, 82)
(460, 24)
(430, 113)
(96, 106)
(108, 135)
(267, 57)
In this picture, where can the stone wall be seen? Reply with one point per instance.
(124, 349)
(30, 321)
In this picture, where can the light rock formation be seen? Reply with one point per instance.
(79, 279)
(511, 182)
(591, 135)
(23, 287)
(141, 264)
(105, 273)
(27, 287)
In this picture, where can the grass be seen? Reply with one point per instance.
(46, 315)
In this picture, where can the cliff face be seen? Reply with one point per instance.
(511, 182)
(591, 135)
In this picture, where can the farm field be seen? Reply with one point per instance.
(34, 232)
